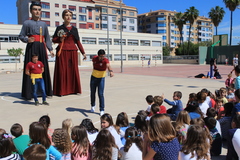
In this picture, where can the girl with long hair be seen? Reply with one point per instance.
(62, 142)
(81, 148)
(38, 135)
(104, 147)
(92, 132)
(122, 124)
(134, 145)
(107, 122)
(196, 146)
(161, 133)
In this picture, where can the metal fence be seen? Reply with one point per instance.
(183, 59)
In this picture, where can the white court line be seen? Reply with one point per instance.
(3, 98)
(115, 117)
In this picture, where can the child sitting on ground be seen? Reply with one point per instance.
(230, 94)
(219, 108)
(35, 69)
(149, 100)
(20, 141)
(223, 94)
(176, 105)
(229, 81)
(201, 97)
(35, 152)
(159, 100)
(154, 110)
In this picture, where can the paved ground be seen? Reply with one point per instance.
(124, 92)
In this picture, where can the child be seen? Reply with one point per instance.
(159, 100)
(20, 141)
(81, 149)
(107, 122)
(122, 123)
(2, 131)
(233, 139)
(45, 120)
(149, 100)
(219, 108)
(165, 145)
(140, 122)
(92, 132)
(217, 74)
(216, 146)
(62, 143)
(201, 97)
(67, 125)
(237, 79)
(230, 95)
(154, 110)
(104, 147)
(211, 112)
(208, 98)
(7, 148)
(229, 81)
(182, 124)
(236, 108)
(223, 93)
(176, 105)
(149, 62)
(225, 122)
(35, 152)
(194, 110)
(192, 97)
(196, 146)
(38, 135)
(134, 145)
(35, 69)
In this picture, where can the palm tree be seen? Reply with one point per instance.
(179, 20)
(216, 14)
(231, 5)
(191, 15)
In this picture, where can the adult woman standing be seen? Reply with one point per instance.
(66, 75)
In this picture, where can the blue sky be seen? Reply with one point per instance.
(8, 11)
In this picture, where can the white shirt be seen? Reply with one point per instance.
(187, 156)
(204, 106)
(116, 136)
(133, 153)
(236, 142)
(92, 136)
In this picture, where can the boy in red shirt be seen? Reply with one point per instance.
(35, 69)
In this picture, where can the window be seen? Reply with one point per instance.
(123, 27)
(104, 18)
(148, 26)
(82, 18)
(97, 10)
(73, 24)
(56, 14)
(161, 18)
(132, 42)
(118, 41)
(74, 17)
(133, 57)
(97, 18)
(164, 37)
(156, 43)
(90, 26)
(172, 37)
(161, 31)
(64, 6)
(144, 43)
(124, 19)
(104, 10)
(114, 11)
(104, 41)
(97, 25)
(117, 57)
(124, 11)
(47, 22)
(131, 28)
(56, 5)
(56, 23)
(82, 25)
(131, 13)
(114, 19)
(82, 9)
(161, 25)
(172, 24)
(114, 26)
(104, 25)
(45, 14)
(72, 8)
(45, 5)
(131, 20)
(88, 40)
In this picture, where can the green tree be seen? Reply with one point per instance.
(191, 15)
(193, 49)
(15, 53)
(216, 14)
(166, 50)
(231, 5)
(179, 20)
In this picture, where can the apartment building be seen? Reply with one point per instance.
(87, 14)
(161, 22)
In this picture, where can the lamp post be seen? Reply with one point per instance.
(108, 55)
(121, 28)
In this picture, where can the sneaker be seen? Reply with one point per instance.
(37, 103)
(101, 113)
(45, 103)
(92, 109)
